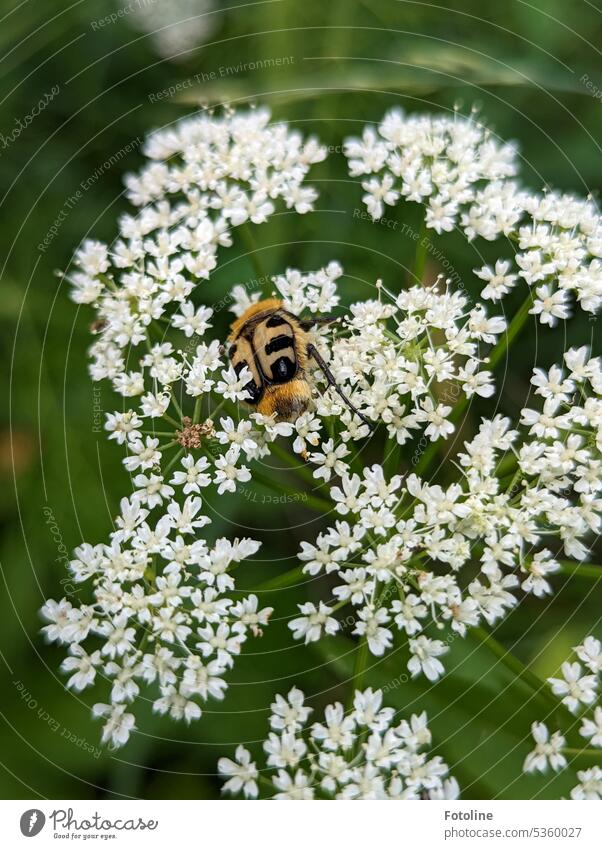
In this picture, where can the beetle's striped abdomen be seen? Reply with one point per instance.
(275, 349)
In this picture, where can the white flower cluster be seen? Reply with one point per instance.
(579, 690)
(404, 362)
(160, 612)
(208, 175)
(562, 458)
(559, 241)
(559, 244)
(403, 550)
(160, 617)
(440, 161)
(362, 754)
(462, 176)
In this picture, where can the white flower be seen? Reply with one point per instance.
(409, 612)
(92, 257)
(242, 774)
(436, 416)
(82, 665)
(193, 321)
(592, 728)
(463, 177)
(424, 657)
(194, 476)
(370, 625)
(119, 724)
(330, 460)
(337, 732)
(238, 434)
(369, 711)
(232, 385)
(123, 426)
(144, 455)
(177, 705)
(228, 473)
(590, 653)
(290, 713)
(550, 305)
(295, 787)
(499, 282)
(158, 580)
(315, 619)
(574, 688)
(590, 784)
(435, 160)
(285, 750)
(548, 750)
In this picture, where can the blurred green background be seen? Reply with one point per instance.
(534, 70)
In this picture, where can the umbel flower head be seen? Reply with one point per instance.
(160, 615)
(464, 178)
(363, 754)
(160, 621)
(406, 553)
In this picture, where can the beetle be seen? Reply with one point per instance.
(274, 344)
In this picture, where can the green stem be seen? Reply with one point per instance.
(172, 462)
(513, 481)
(108, 281)
(282, 581)
(262, 277)
(217, 409)
(359, 669)
(427, 457)
(587, 756)
(580, 570)
(168, 444)
(517, 667)
(197, 410)
(265, 782)
(157, 432)
(174, 401)
(512, 332)
(506, 465)
(391, 457)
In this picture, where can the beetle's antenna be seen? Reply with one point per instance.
(316, 321)
(313, 352)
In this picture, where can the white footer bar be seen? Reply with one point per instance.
(307, 825)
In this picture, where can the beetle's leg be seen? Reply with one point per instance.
(313, 352)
